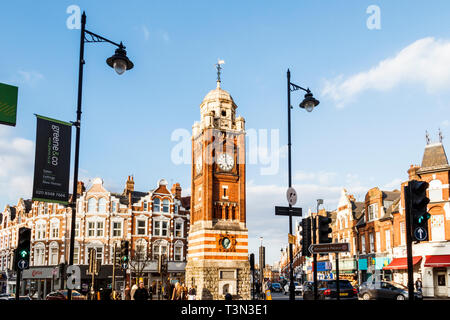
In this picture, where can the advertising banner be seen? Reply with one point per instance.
(8, 104)
(52, 161)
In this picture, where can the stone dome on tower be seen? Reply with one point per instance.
(218, 95)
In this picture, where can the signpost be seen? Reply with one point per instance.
(329, 247)
(291, 196)
(286, 211)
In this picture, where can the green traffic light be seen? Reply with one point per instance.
(23, 253)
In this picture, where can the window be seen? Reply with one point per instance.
(40, 231)
(54, 208)
(102, 205)
(225, 192)
(45, 208)
(388, 239)
(145, 205)
(76, 255)
(160, 247)
(91, 229)
(77, 228)
(99, 255)
(117, 229)
(371, 242)
(402, 234)
(99, 228)
(435, 190)
(178, 252)
(175, 208)
(141, 250)
(378, 240)
(39, 255)
(161, 228)
(54, 230)
(54, 255)
(373, 211)
(166, 205)
(156, 205)
(178, 229)
(91, 205)
(141, 227)
(363, 244)
(114, 206)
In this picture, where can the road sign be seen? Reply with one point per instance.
(22, 264)
(124, 266)
(284, 211)
(291, 238)
(329, 247)
(291, 196)
(420, 233)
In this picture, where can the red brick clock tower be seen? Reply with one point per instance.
(217, 261)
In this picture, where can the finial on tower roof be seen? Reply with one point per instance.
(440, 135)
(427, 137)
(219, 67)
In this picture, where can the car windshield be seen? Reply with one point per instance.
(343, 284)
(398, 285)
(295, 283)
(276, 285)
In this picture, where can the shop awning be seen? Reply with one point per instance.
(401, 263)
(437, 261)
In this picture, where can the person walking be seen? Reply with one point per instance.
(192, 293)
(176, 291)
(127, 293)
(418, 284)
(141, 293)
(133, 290)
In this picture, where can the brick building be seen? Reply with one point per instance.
(156, 222)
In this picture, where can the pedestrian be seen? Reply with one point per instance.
(176, 291)
(192, 293)
(150, 292)
(419, 285)
(183, 292)
(141, 293)
(133, 290)
(228, 296)
(127, 292)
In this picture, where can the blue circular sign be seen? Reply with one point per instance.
(22, 264)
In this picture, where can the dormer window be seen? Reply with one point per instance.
(224, 113)
(156, 205)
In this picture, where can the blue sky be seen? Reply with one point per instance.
(379, 91)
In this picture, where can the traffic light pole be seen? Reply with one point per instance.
(18, 276)
(409, 243)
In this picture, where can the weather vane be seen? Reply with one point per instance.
(219, 67)
(440, 135)
(427, 137)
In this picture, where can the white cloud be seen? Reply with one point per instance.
(422, 62)
(394, 184)
(146, 32)
(16, 167)
(445, 123)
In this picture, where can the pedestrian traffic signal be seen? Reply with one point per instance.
(124, 252)
(324, 229)
(306, 236)
(22, 253)
(418, 202)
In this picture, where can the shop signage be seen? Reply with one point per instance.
(52, 161)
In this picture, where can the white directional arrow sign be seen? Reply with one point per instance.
(22, 264)
(420, 233)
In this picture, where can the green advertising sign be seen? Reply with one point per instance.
(8, 104)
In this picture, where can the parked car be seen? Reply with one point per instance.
(62, 295)
(5, 296)
(327, 290)
(276, 287)
(298, 288)
(20, 298)
(382, 290)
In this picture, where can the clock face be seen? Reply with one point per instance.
(225, 161)
(226, 243)
(198, 164)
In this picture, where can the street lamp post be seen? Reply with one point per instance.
(120, 62)
(308, 103)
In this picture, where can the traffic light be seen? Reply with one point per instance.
(252, 261)
(124, 252)
(418, 202)
(22, 253)
(306, 236)
(324, 229)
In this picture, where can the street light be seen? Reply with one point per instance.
(308, 103)
(120, 62)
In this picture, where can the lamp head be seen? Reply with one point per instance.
(309, 103)
(119, 61)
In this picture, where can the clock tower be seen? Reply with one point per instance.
(217, 260)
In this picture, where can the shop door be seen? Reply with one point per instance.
(440, 284)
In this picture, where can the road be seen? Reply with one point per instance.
(282, 296)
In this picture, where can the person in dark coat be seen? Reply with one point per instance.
(141, 293)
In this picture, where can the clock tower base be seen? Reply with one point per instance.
(213, 279)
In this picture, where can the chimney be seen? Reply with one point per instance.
(129, 187)
(80, 187)
(412, 172)
(176, 191)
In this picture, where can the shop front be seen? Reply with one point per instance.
(436, 276)
(399, 269)
(347, 270)
(40, 281)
